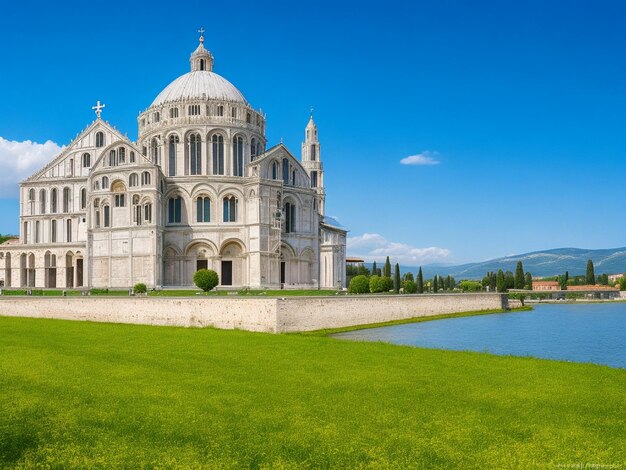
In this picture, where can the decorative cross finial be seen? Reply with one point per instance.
(98, 108)
(201, 31)
(312, 109)
(281, 140)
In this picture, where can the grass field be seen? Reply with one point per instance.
(77, 394)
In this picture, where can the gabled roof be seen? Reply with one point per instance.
(72, 146)
(271, 153)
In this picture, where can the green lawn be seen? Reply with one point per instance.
(77, 394)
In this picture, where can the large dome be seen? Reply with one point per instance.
(200, 84)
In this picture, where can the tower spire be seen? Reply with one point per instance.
(201, 59)
(311, 161)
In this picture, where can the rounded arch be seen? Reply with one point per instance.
(170, 134)
(190, 132)
(232, 247)
(201, 248)
(202, 188)
(287, 251)
(217, 131)
(118, 186)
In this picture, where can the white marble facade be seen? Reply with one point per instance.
(199, 189)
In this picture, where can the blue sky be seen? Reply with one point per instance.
(515, 110)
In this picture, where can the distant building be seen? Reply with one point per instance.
(546, 285)
(613, 278)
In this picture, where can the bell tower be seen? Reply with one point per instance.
(312, 163)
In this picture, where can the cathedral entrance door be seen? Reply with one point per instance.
(202, 264)
(79, 272)
(227, 273)
(282, 273)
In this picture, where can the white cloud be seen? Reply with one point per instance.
(425, 158)
(19, 160)
(375, 247)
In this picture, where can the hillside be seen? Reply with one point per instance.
(539, 263)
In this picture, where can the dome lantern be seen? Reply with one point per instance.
(201, 59)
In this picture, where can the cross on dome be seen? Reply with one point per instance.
(98, 108)
(201, 31)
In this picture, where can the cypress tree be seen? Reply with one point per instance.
(420, 282)
(590, 278)
(374, 269)
(492, 282)
(519, 276)
(387, 269)
(452, 283)
(435, 286)
(500, 281)
(396, 279)
(529, 281)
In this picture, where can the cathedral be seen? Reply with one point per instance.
(199, 189)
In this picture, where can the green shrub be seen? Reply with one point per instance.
(410, 287)
(386, 283)
(375, 285)
(206, 279)
(470, 286)
(359, 285)
(99, 291)
(140, 288)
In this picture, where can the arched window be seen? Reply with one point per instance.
(136, 209)
(238, 156)
(66, 199)
(248, 118)
(252, 149)
(285, 171)
(172, 156)
(53, 200)
(112, 159)
(203, 209)
(133, 180)
(31, 201)
(293, 178)
(145, 178)
(174, 210)
(157, 116)
(195, 154)
(194, 110)
(53, 231)
(233, 113)
(37, 232)
(132, 156)
(99, 139)
(314, 179)
(83, 198)
(106, 212)
(105, 182)
(201, 64)
(154, 148)
(68, 231)
(42, 201)
(274, 170)
(147, 212)
(313, 152)
(120, 200)
(218, 154)
(96, 207)
(220, 110)
(86, 160)
(173, 113)
(230, 209)
(290, 217)
(96, 185)
(121, 155)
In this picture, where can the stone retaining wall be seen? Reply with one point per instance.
(276, 315)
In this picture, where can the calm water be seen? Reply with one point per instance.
(580, 333)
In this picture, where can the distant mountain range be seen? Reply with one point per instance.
(539, 263)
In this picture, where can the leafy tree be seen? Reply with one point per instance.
(528, 284)
(359, 285)
(435, 285)
(622, 283)
(493, 282)
(410, 287)
(518, 282)
(396, 279)
(206, 279)
(452, 282)
(387, 269)
(509, 280)
(408, 277)
(375, 284)
(374, 269)
(470, 286)
(603, 279)
(500, 286)
(4, 238)
(590, 278)
(420, 281)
